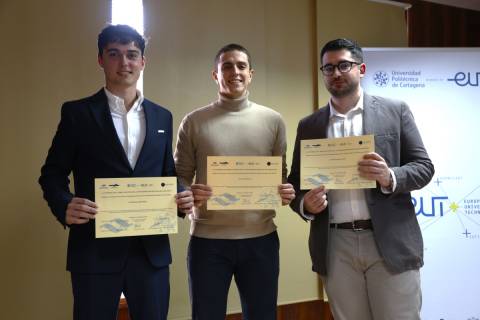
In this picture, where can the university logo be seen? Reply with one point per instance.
(380, 78)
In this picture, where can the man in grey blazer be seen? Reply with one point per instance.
(366, 244)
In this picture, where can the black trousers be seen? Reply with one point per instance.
(146, 288)
(254, 264)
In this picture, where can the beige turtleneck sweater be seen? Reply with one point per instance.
(228, 127)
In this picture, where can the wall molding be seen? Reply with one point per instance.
(306, 310)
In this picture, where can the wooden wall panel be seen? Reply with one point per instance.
(437, 25)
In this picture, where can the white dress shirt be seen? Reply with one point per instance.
(349, 204)
(130, 126)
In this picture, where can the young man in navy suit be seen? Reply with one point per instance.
(115, 133)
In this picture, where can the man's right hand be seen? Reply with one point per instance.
(80, 211)
(315, 200)
(201, 193)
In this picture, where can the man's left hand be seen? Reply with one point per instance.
(287, 193)
(184, 201)
(374, 167)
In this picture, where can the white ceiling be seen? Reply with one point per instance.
(467, 4)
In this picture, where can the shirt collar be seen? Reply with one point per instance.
(117, 104)
(357, 108)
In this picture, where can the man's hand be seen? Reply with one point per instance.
(184, 201)
(374, 167)
(80, 211)
(287, 193)
(315, 200)
(201, 193)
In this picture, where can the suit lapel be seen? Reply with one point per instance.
(101, 114)
(323, 116)
(369, 127)
(369, 114)
(150, 119)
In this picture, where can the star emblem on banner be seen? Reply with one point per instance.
(454, 207)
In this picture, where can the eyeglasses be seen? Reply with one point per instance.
(342, 66)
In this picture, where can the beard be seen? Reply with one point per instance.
(346, 88)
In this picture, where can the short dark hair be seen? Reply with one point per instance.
(347, 44)
(120, 33)
(233, 47)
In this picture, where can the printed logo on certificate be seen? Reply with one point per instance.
(244, 183)
(334, 162)
(135, 206)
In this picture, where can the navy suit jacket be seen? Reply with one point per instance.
(86, 144)
(395, 226)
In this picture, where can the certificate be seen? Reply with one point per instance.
(244, 183)
(135, 206)
(334, 162)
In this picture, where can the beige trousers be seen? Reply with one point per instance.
(359, 286)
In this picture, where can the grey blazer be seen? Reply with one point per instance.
(395, 226)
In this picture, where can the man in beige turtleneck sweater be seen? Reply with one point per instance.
(243, 243)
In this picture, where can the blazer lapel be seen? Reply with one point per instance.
(150, 134)
(370, 109)
(369, 114)
(101, 114)
(321, 121)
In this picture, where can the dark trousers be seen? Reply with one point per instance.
(146, 288)
(254, 263)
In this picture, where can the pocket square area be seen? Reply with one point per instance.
(161, 131)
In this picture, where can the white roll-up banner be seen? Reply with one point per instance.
(442, 88)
